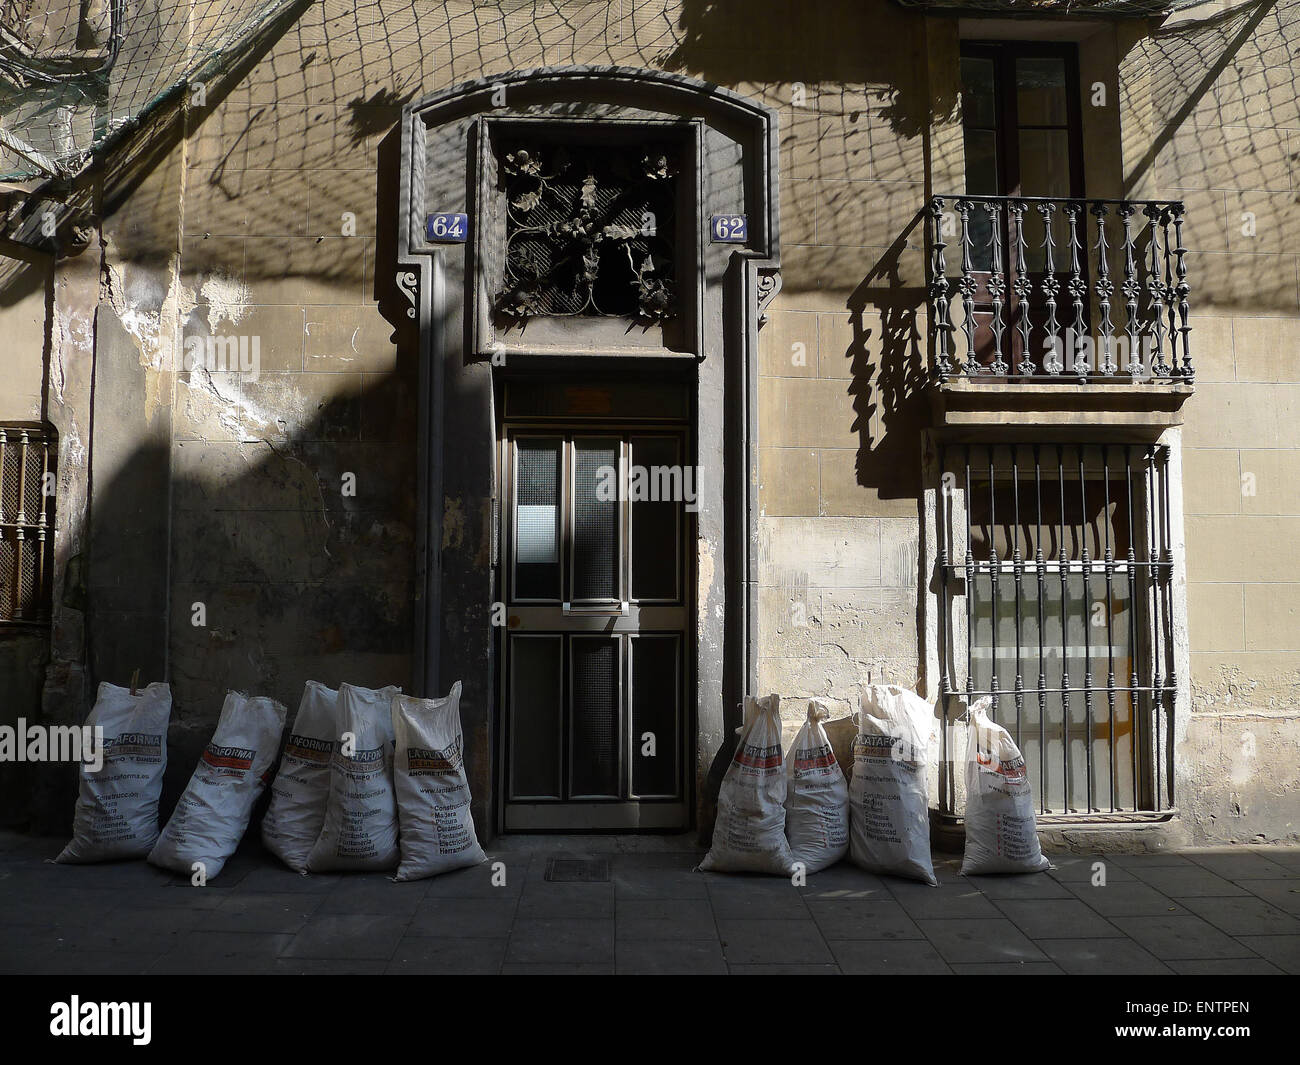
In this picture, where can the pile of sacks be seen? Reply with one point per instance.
(781, 815)
(368, 780)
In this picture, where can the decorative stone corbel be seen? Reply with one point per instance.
(769, 284)
(408, 284)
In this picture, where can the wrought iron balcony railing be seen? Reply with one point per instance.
(1059, 290)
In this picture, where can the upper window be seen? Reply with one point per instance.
(26, 523)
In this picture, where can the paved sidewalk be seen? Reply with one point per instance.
(1218, 912)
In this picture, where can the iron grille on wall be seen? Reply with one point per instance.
(26, 524)
(1055, 568)
(588, 232)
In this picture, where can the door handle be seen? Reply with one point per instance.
(596, 611)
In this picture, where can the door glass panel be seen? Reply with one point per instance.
(536, 717)
(537, 519)
(595, 736)
(595, 520)
(978, 92)
(655, 694)
(656, 508)
(1040, 91)
(1045, 162)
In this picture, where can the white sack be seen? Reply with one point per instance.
(749, 834)
(889, 808)
(817, 796)
(302, 786)
(1001, 831)
(437, 832)
(360, 826)
(117, 806)
(212, 815)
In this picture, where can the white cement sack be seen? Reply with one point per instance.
(817, 796)
(437, 832)
(302, 786)
(360, 826)
(117, 805)
(889, 816)
(1001, 831)
(212, 815)
(749, 834)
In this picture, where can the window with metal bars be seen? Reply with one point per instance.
(27, 457)
(1055, 569)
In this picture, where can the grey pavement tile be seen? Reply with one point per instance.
(375, 893)
(580, 941)
(545, 900)
(451, 918)
(779, 941)
(1102, 957)
(327, 967)
(1284, 894)
(1125, 899)
(111, 876)
(1282, 951)
(658, 883)
(954, 898)
(132, 930)
(662, 919)
(1082, 869)
(1193, 882)
(1056, 918)
(669, 956)
(1008, 968)
(743, 897)
(1244, 916)
(259, 912)
(347, 936)
(862, 957)
(869, 919)
(91, 963)
(1287, 857)
(199, 948)
(1024, 886)
(981, 939)
(844, 882)
(1224, 967)
(784, 970)
(1180, 936)
(1164, 859)
(483, 881)
(277, 878)
(582, 968)
(1239, 864)
(441, 954)
(219, 965)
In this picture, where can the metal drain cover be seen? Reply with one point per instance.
(578, 870)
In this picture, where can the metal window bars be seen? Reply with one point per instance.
(1053, 317)
(27, 457)
(1063, 555)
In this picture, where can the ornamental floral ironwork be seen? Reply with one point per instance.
(588, 232)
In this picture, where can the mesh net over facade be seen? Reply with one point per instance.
(74, 72)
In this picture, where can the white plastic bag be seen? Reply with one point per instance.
(302, 786)
(817, 796)
(117, 806)
(360, 826)
(749, 834)
(1001, 831)
(437, 832)
(889, 815)
(212, 815)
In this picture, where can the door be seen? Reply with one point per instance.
(594, 717)
(1021, 126)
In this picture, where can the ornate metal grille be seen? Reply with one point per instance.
(26, 524)
(589, 231)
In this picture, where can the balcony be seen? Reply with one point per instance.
(1059, 291)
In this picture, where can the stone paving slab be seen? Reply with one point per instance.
(1214, 912)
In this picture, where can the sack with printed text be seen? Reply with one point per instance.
(360, 826)
(212, 815)
(817, 796)
(117, 804)
(433, 813)
(1001, 830)
(749, 833)
(889, 808)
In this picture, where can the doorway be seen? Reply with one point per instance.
(598, 489)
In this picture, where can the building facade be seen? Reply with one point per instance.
(620, 360)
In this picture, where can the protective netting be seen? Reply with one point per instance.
(74, 72)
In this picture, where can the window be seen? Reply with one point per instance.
(26, 523)
(1055, 573)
